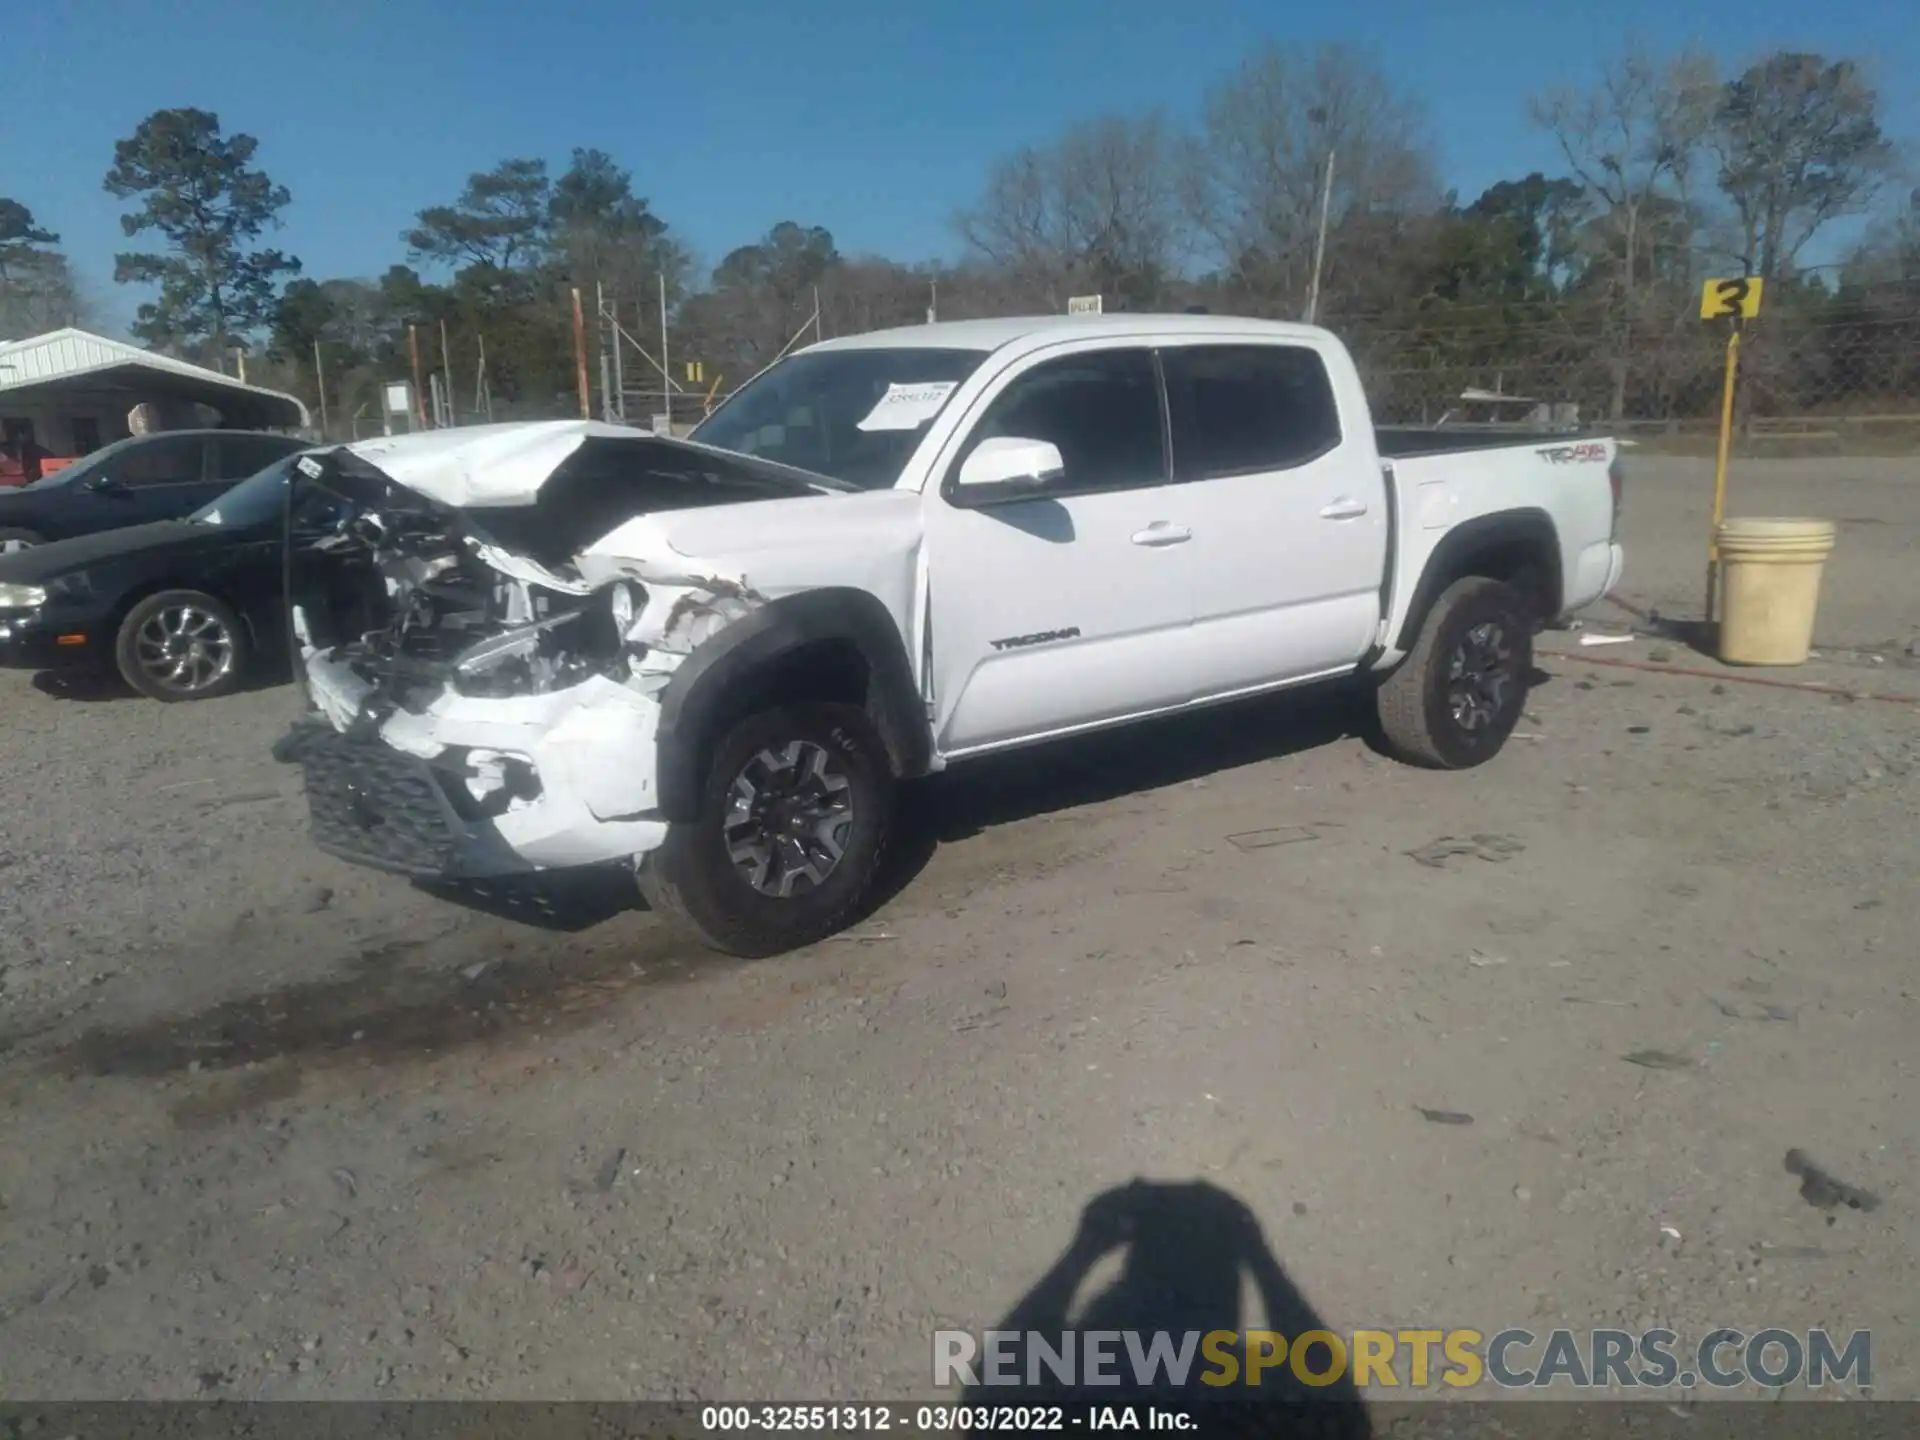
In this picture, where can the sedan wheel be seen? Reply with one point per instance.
(181, 645)
(184, 648)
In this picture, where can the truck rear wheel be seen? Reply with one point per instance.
(795, 813)
(1452, 703)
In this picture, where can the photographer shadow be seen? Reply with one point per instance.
(1189, 1250)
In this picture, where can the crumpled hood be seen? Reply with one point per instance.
(734, 516)
(477, 466)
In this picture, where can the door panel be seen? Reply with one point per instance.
(1067, 609)
(1289, 517)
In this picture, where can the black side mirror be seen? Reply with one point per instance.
(104, 484)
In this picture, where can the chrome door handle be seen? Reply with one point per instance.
(1345, 508)
(1161, 533)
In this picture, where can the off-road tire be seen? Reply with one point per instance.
(1415, 703)
(692, 881)
(126, 646)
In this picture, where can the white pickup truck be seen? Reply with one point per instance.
(527, 647)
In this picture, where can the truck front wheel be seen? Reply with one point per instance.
(795, 813)
(1452, 703)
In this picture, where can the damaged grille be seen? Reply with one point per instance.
(377, 807)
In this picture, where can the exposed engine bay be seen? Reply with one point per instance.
(479, 704)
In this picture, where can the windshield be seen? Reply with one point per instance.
(852, 415)
(257, 500)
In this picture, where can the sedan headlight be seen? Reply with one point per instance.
(22, 597)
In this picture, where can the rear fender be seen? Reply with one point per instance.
(1491, 545)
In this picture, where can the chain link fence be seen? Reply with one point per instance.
(1827, 376)
(1832, 384)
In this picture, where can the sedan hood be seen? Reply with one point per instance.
(41, 563)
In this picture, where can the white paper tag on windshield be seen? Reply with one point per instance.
(908, 407)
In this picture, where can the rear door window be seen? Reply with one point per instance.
(244, 455)
(165, 460)
(1244, 409)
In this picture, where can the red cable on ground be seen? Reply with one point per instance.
(1656, 668)
(1653, 667)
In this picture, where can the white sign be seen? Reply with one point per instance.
(1084, 305)
(663, 425)
(399, 398)
(908, 407)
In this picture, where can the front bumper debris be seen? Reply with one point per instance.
(373, 806)
(476, 711)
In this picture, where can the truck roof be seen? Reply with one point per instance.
(1033, 331)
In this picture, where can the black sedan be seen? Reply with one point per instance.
(134, 481)
(183, 609)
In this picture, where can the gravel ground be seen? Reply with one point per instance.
(270, 1126)
(1869, 597)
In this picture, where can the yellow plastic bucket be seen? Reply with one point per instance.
(1770, 574)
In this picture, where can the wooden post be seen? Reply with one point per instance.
(419, 399)
(580, 358)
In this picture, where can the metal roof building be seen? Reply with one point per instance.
(73, 391)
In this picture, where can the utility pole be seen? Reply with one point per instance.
(619, 367)
(600, 339)
(1320, 243)
(446, 366)
(482, 392)
(666, 369)
(320, 384)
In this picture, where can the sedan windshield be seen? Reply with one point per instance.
(257, 500)
(852, 415)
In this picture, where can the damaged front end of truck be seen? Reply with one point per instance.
(483, 682)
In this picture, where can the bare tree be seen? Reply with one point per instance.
(873, 293)
(38, 294)
(1095, 212)
(1632, 142)
(1799, 144)
(1256, 174)
(37, 290)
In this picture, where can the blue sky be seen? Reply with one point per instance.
(874, 118)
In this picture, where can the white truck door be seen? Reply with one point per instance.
(1068, 609)
(1289, 515)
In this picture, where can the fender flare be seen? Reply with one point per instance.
(1455, 556)
(702, 691)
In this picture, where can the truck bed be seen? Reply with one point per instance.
(1403, 442)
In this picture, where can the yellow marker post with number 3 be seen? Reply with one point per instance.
(1737, 301)
(1731, 299)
